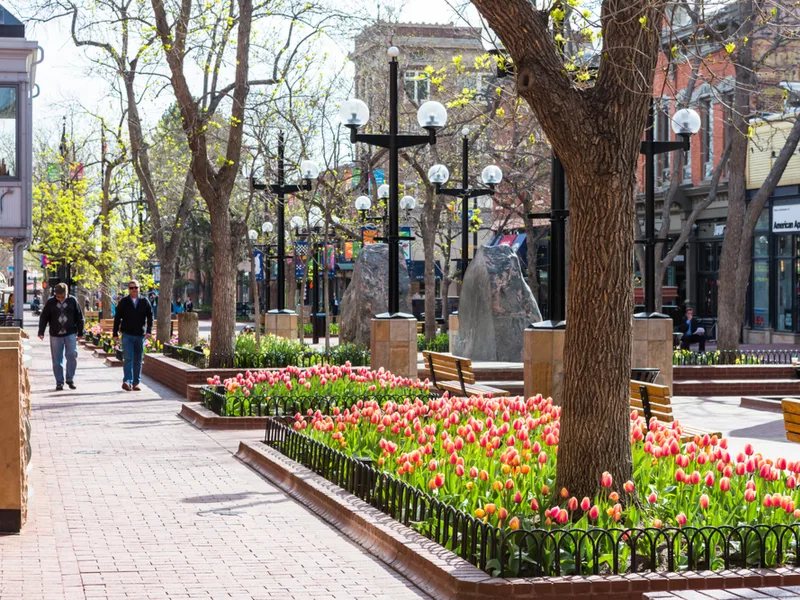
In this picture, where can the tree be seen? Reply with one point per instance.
(595, 126)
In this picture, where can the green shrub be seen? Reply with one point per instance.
(441, 343)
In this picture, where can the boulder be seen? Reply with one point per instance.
(495, 307)
(367, 294)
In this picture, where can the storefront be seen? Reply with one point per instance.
(773, 303)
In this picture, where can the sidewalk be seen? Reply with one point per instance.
(129, 501)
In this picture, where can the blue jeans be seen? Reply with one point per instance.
(132, 352)
(58, 347)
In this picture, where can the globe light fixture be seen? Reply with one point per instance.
(408, 203)
(309, 170)
(492, 175)
(296, 222)
(438, 174)
(432, 115)
(315, 218)
(393, 52)
(686, 122)
(354, 113)
(363, 203)
(252, 235)
(266, 227)
(383, 191)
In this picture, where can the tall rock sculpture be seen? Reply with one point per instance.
(495, 307)
(366, 296)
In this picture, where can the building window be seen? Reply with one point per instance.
(707, 138)
(417, 85)
(9, 129)
(760, 318)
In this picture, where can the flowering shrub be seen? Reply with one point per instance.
(495, 458)
(340, 383)
(687, 357)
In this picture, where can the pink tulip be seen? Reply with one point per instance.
(594, 512)
(652, 498)
(704, 501)
(681, 519)
(586, 504)
(606, 480)
(724, 484)
(572, 504)
(534, 504)
(518, 497)
(709, 479)
(748, 449)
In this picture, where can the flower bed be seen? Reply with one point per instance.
(476, 476)
(320, 388)
(732, 357)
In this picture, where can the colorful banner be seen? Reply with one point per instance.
(380, 178)
(53, 172)
(369, 233)
(258, 263)
(157, 274)
(301, 254)
(405, 232)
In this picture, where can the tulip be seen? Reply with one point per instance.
(562, 517)
(748, 449)
(572, 504)
(613, 496)
(704, 501)
(490, 509)
(767, 502)
(534, 504)
(657, 523)
(502, 513)
(594, 512)
(709, 479)
(724, 484)
(606, 480)
(586, 504)
(628, 487)
(514, 523)
(791, 482)
(517, 497)
(542, 457)
(652, 498)
(681, 519)
(473, 472)
(564, 492)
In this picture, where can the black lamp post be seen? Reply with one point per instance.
(315, 221)
(431, 116)
(685, 123)
(491, 176)
(309, 171)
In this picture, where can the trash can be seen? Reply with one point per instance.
(319, 325)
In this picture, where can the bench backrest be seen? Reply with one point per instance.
(449, 367)
(107, 325)
(652, 400)
(791, 418)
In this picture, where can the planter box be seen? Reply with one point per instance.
(178, 375)
(118, 354)
(203, 418)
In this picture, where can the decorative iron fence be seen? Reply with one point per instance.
(196, 358)
(732, 357)
(541, 552)
(215, 399)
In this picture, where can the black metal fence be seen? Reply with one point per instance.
(732, 357)
(215, 399)
(8, 321)
(541, 552)
(196, 358)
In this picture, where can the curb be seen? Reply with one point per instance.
(202, 418)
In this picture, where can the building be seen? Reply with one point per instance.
(692, 278)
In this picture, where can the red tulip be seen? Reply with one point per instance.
(724, 484)
(562, 517)
(502, 513)
(517, 497)
(586, 504)
(681, 519)
(652, 498)
(628, 487)
(606, 480)
(748, 449)
(594, 512)
(534, 504)
(704, 501)
(709, 479)
(572, 504)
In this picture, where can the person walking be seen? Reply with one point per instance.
(134, 318)
(63, 315)
(188, 305)
(177, 307)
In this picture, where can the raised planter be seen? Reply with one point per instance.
(443, 574)
(203, 418)
(178, 375)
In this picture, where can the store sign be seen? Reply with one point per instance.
(786, 218)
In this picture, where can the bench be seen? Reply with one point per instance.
(791, 418)
(91, 315)
(455, 375)
(107, 325)
(173, 327)
(420, 328)
(654, 402)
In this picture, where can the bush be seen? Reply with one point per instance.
(308, 329)
(276, 352)
(441, 343)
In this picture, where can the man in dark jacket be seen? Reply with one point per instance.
(692, 332)
(134, 318)
(64, 316)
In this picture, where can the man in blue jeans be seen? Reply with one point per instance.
(134, 318)
(64, 316)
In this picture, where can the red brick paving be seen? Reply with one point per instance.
(129, 501)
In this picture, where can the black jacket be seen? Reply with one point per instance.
(133, 320)
(51, 313)
(695, 326)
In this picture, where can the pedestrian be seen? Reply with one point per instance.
(188, 306)
(134, 318)
(10, 304)
(692, 332)
(64, 316)
(177, 307)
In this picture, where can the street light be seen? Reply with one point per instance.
(408, 203)
(363, 204)
(685, 123)
(309, 171)
(316, 221)
(491, 177)
(431, 116)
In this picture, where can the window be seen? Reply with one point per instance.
(417, 86)
(8, 131)
(785, 295)
(760, 294)
(706, 138)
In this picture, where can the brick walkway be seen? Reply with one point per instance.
(129, 501)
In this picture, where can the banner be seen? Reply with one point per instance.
(405, 232)
(156, 274)
(53, 172)
(369, 233)
(258, 264)
(301, 256)
(380, 178)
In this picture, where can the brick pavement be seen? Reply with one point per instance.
(129, 501)
(784, 593)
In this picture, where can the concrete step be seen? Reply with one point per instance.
(760, 403)
(737, 387)
(738, 372)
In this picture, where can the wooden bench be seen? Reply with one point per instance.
(791, 418)
(91, 315)
(173, 327)
(654, 402)
(107, 325)
(420, 327)
(455, 375)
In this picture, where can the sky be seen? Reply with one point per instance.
(65, 84)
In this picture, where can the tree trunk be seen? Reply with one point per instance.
(596, 405)
(223, 269)
(428, 235)
(164, 309)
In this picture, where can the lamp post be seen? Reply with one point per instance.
(315, 222)
(267, 229)
(491, 176)
(309, 171)
(685, 123)
(431, 116)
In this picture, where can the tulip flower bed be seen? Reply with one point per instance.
(477, 475)
(322, 387)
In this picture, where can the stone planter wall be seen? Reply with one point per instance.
(178, 375)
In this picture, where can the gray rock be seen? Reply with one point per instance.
(367, 294)
(495, 307)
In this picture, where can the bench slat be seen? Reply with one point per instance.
(653, 390)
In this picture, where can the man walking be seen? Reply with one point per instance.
(64, 316)
(134, 318)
